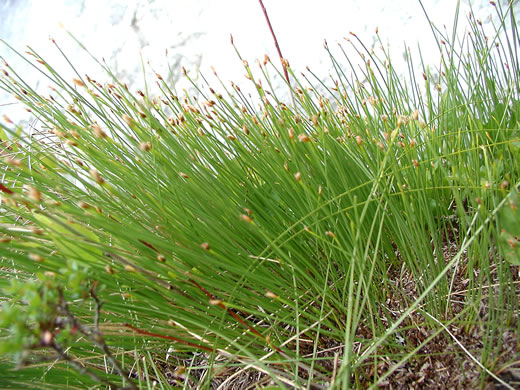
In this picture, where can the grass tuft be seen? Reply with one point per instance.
(365, 234)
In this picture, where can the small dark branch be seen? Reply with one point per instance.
(98, 306)
(79, 367)
(95, 336)
(100, 341)
(284, 62)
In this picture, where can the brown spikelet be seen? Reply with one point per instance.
(84, 205)
(330, 234)
(36, 257)
(415, 163)
(145, 146)
(109, 269)
(291, 132)
(303, 137)
(96, 176)
(129, 121)
(5, 239)
(37, 230)
(34, 194)
(298, 176)
(14, 162)
(161, 258)
(183, 175)
(98, 133)
(271, 295)
(245, 218)
(205, 246)
(78, 82)
(129, 268)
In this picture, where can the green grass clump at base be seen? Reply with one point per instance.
(335, 241)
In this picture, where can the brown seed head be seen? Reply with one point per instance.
(129, 121)
(36, 257)
(183, 175)
(14, 162)
(37, 230)
(205, 246)
(84, 205)
(303, 137)
(98, 133)
(246, 218)
(271, 295)
(96, 176)
(298, 176)
(330, 234)
(78, 82)
(34, 194)
(145, 146)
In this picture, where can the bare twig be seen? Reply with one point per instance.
(79, 367)
(95, 335)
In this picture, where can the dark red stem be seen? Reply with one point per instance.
(275, 42)
(171, 338)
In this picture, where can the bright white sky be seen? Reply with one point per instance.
(105, 26)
